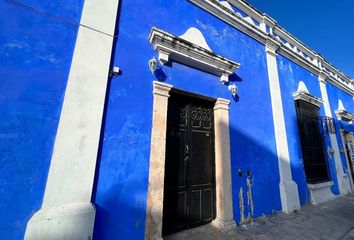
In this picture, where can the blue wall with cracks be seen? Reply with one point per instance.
(122, 177)
(36, 45)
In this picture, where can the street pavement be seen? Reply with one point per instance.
(330, 221)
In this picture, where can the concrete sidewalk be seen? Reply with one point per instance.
(332, 220)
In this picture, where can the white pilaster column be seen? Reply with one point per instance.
(342, 178)
(154, 208)
(224, 210)
(67, 211)
(288, 188)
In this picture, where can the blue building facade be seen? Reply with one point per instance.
(86, 100)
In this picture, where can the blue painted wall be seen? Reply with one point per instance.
(36, 44)
(334, 94)
(290, 74)
(122, 175)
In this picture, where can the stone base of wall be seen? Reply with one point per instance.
(66, 222)
(321, 192)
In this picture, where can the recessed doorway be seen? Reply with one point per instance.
(189, 185)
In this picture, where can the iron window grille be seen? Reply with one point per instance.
(326, 125)
(312, 128)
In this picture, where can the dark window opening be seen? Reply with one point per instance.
(312, 143)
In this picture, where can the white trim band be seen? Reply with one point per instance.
(261, 27)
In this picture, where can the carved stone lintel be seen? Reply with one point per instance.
(322, 76)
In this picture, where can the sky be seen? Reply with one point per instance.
(326, 26)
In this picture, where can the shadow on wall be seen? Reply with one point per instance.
(255, 181)
(255, 174)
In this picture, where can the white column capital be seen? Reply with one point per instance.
(162, 89)
(322, 77)
(272, 46)
(222, 103)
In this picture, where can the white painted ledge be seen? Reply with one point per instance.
(321, 192)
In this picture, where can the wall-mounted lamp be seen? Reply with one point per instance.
(233, 89)
(114, 72)
(153, 65)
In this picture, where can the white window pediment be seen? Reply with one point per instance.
(192, 50)
(303, 94)
(342, 113)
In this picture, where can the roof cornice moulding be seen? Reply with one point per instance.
(170, 47)
(344, 115)
(217, 9)
(291, 47)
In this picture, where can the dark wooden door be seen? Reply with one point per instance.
(189, 192)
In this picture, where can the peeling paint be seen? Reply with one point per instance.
(242, 208)
(249, 197)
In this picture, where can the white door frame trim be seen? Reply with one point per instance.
(154, 209)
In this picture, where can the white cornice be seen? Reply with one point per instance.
(307, 98)
(255, 25)
(180, 50)
(343, 114)
(217, 9)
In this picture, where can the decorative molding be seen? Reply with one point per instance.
(308, 98)
(180, 50)
(303, 94)
(343, 114)
(272, 46)
(235, 19)
(162, 89)
(261, 27)
(193, 35)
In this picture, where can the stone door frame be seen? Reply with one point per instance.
(223, 186)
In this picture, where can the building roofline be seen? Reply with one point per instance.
(261, 27)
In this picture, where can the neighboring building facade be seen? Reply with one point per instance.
(136, 119)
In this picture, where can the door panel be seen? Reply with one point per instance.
(189, 192)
